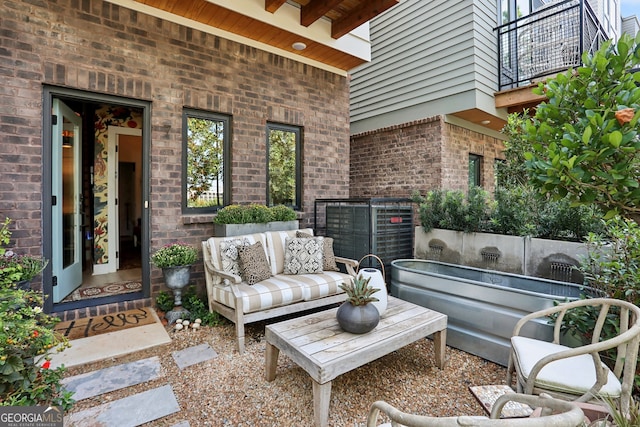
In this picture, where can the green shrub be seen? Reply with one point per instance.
(283, 213)
(199, 309)
(451, 209)
(164, 301)
(254, 213)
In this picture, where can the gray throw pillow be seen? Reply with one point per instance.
(303, 255)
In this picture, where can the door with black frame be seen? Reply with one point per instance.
(97, 211)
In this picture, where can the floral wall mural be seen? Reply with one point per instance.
(105, 117)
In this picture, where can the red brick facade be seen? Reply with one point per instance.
(422, 155)
(98, 47)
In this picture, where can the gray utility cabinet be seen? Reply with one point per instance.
(379, 226)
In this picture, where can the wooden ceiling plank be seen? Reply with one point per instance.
(315, 10)
(365, 12)
(273, 5)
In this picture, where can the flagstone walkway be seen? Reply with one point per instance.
(139, 408)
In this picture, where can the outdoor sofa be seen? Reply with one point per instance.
(266, 275)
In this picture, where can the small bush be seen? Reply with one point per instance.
(199, 309)
(283, 213)
(450, 209)
(164, 301)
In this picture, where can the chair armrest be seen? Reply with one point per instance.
(349, 263)
(222, 274)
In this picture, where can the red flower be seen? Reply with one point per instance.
(46, 365)
(35, 334)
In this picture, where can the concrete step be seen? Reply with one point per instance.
(130, 411)
(114, 378)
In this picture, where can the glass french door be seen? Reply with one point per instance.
(67, 199)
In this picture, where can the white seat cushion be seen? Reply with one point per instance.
(574, 375)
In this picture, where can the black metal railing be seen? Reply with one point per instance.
(547, 41)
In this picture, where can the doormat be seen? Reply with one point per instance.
(104, 291)
(90, 326)
(488, 394)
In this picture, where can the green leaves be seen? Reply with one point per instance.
(583, 142)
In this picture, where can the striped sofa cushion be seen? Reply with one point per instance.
(270, 293)
(318, 285)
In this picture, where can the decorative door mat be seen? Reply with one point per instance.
(90, 326)
(104, 291)
(488, 394)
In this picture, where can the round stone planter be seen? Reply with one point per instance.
(357, 319)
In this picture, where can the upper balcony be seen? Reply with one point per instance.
(546, 42)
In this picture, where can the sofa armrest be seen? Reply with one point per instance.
(349, 263)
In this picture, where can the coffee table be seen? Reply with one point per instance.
(318, 345)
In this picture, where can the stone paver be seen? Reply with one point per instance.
(130, 411)
(114, 378)
(192, 355)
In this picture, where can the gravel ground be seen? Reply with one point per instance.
(230, 390)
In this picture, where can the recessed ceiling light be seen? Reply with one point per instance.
(299, 46)
(485, 122)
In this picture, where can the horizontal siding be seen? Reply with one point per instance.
(423, 51)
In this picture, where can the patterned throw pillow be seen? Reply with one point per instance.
(229, 254)
(303, 255)
(254, 266)
(329, 260)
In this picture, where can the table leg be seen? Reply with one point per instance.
(321, 398)
(271, 361)
(439, 347)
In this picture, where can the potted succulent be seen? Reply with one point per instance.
(175, 260)
(356, 315)
(235, 220)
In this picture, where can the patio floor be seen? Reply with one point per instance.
(201, 369)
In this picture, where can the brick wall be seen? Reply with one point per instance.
(395, 161)
(96, 46)
(420, 155)
(459, 143)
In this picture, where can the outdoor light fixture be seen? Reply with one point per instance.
(299, 46)
(485, 122)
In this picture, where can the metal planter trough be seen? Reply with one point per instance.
(482, 306)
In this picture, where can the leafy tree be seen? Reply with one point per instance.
(282, 167)
(205, 157)
(584, 139)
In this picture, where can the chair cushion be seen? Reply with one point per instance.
(329, 257)
(254, 266)
(303, 255)
(574, 375)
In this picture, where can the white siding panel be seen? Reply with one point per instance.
(424, 52)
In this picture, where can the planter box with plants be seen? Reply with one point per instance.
(235, 220)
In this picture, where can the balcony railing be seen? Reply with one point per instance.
(546, 42)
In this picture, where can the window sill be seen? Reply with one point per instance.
(198, 219)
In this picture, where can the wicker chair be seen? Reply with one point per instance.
(578, 373)
(556, 413)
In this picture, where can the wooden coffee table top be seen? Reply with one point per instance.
(318, 345)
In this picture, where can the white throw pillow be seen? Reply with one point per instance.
(229, 254)
(303, 255)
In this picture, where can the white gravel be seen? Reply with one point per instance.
(230, 390)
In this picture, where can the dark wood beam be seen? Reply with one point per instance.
(273, 5)
(366, 11)
(315, 10)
